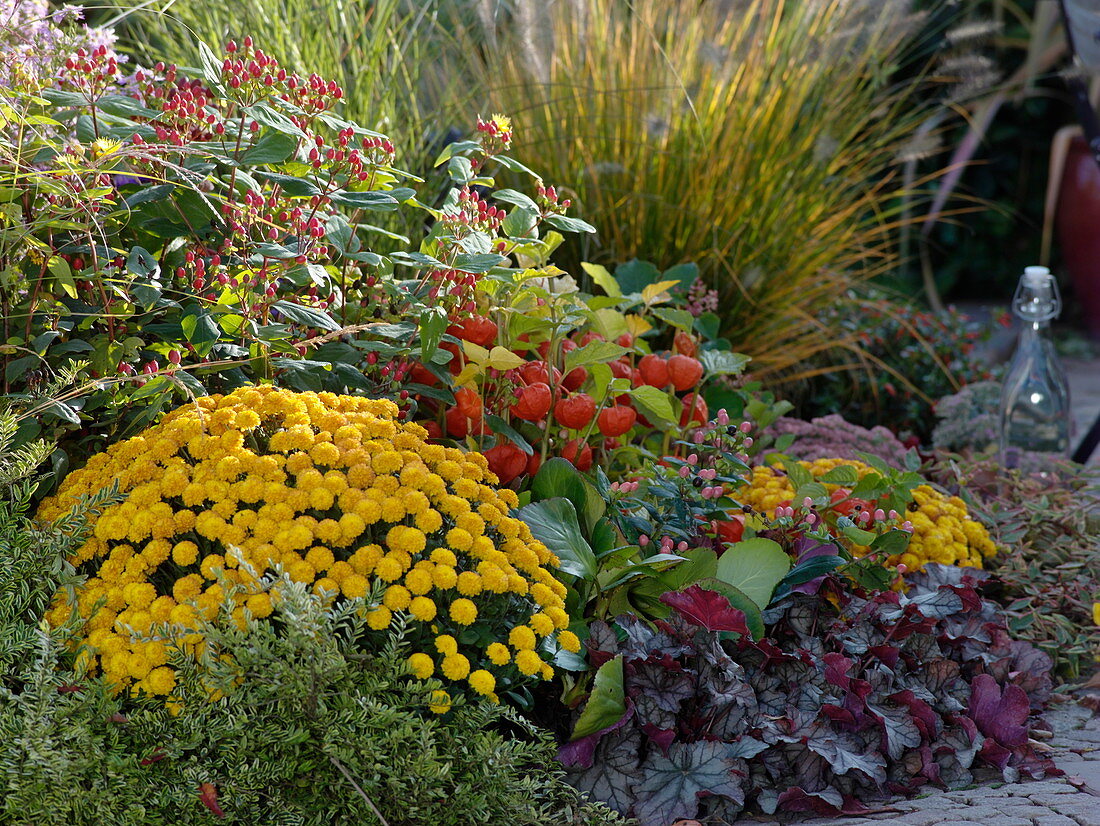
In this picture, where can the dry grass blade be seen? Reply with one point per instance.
(758, 139)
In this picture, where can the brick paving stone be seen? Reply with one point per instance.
(1054, 801)
(1054, 819)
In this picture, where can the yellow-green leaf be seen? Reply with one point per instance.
(475, 352)
(603, 279)
(653, 292)
(59, 267)
(501, 358)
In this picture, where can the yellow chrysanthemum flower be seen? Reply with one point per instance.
(345, 498)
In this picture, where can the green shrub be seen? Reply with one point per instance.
(306, 730)
(901, 361)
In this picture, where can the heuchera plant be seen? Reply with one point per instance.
(849, 699)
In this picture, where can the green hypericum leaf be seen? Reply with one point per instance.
(433, 324)
(554, 523)
(567, 224)
(606, 704)
(892, 543)
(456, 148)
(272, 147)
(849, 529)
(374, 201)
(811, 568)
(60, 270)
(754, 566)
(511, 196)
(306, 315)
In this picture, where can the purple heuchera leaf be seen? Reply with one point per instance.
(708, 609)
(1002, 716)
(674, 783)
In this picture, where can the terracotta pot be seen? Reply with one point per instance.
(1077, 223)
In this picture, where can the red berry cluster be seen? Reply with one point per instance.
(548, 200)
(91, 73)
(473, 214)
(252, 74)
(186, 108)
(496, 134)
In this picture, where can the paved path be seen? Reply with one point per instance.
(1072, 800)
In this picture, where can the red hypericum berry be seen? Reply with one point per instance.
(576, 411)
(532, 402)
(616, 420)
(174, 356)
(579, 454)
(507, 461)
(468, 402)
(625, 340)
(654, 371)
(698, 416)
(684, 372)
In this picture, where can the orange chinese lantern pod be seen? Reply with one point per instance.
(616, 420)
(576, 411)
(532, 402)
(468, 402)
(696, 416)
(578, 453)
(506, 461)
(684, 372)
(654, 371)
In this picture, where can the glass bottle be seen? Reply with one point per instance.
(1035, 397)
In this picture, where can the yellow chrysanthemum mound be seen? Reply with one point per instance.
(345, 499)
(943, 530)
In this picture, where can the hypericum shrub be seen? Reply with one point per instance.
(341, 495)
(942, 529)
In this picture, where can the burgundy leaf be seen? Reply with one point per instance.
(708, 609)
(1002, 716)
(837, 667)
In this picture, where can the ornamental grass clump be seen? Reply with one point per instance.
(941, 527)
(339, 495)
